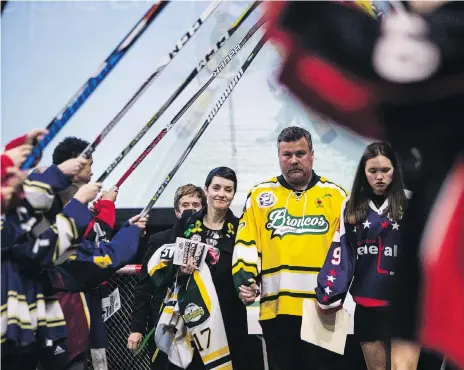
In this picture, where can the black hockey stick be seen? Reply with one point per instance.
(168, 59)
(163, 132)
(205, 125)
(158, 138)
(179, 90)
(91, 85)
(4, 2)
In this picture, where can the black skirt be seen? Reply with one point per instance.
(372, 324)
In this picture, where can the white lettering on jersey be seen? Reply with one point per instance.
(373, 249)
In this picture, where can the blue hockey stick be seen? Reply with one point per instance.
(90, 86)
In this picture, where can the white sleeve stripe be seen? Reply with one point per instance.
(266, 185)
(247, 254)
(38, 199)
(40, 243)
(328, 306)
(16, 309)
(289, 280)
(53, 310)
(155, 260)
(248, 203)
(65, 233)
(38, 185)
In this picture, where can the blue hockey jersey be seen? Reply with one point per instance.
(30, 313)
(91, 263)
(76, 281)
(361, 259)
(32, 216)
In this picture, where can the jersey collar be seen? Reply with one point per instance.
(314, 179)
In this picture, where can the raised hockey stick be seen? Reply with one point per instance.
(166, 105)
(443, 364)
(164, 131)
(168, 59)
(91, 85)
(205, 125)
(4, 2)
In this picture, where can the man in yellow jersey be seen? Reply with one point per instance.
(282, 241)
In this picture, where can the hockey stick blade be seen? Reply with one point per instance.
(168, 59)
(91, 85)
(205, 125)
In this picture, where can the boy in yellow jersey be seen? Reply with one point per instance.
(282, 241)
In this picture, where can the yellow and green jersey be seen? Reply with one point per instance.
(282, 240)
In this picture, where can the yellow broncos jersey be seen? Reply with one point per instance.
(282, 240)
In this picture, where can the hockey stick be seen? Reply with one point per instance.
(163, 132)
(443, 364)
(166, 105)
(3, 5)
(179, 45)
(90, 86)
(190, 122)
(205, 125)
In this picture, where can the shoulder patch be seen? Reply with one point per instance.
(266, 199)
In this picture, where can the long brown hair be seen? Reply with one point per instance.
(357, 206)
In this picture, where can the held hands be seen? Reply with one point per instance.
(111, 194)
(189, 268)
(134, 340)
(140, 222)
(87, 192)
(14, 177)
(35, 135)
(11, 185)
(73, 166)
(248, 294)
(19, 154)
(327, 316)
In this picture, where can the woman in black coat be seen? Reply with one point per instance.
(216, 225)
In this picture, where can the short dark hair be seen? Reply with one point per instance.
(225, 173)
(191, 190)
(357, 206)
(294, 133)
(70, 147)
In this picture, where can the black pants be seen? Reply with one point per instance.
(372, 324)
(286, 350)
(79, 362)
(18, 359)
(160, 361)
(49, 358)
(255, 360)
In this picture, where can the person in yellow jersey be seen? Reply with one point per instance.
(282, 240)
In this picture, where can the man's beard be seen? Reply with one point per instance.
(296, 181)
